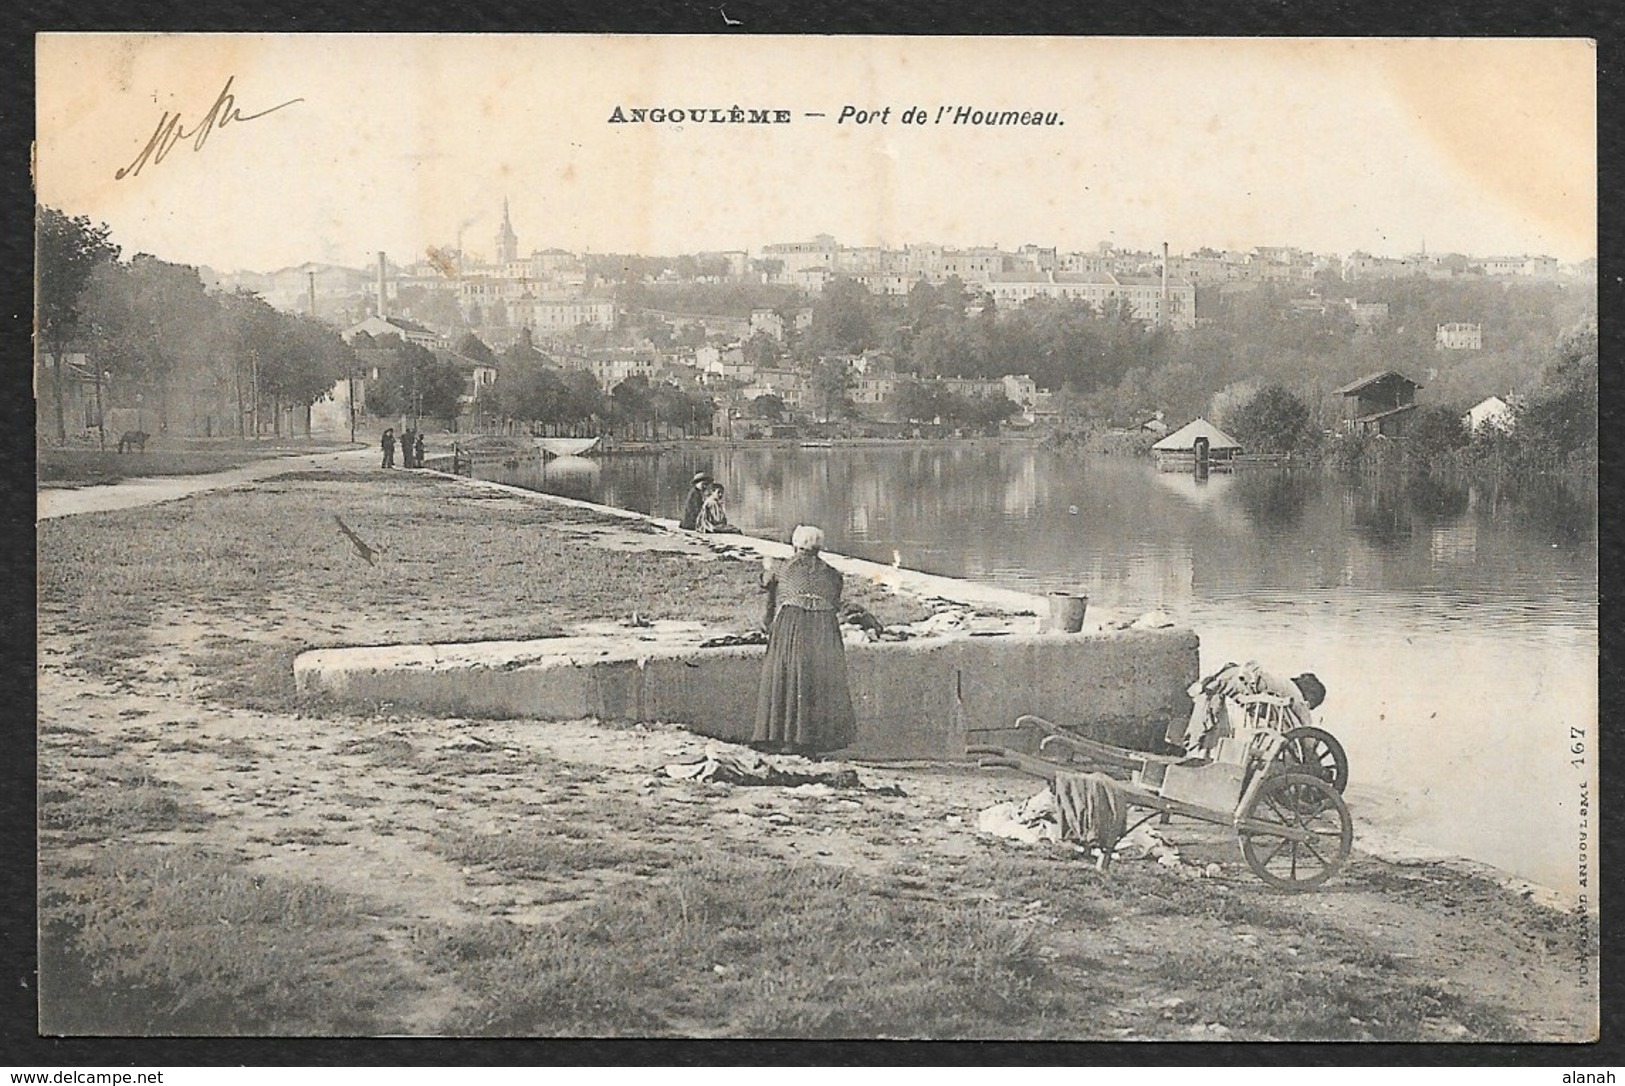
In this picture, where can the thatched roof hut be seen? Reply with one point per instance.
(1177, 451)
(1184, 438)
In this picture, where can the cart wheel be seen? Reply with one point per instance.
(1317, 752)
(1307, 805)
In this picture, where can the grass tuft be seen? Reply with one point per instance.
(806, 951)
(117, 802)
(181, 941)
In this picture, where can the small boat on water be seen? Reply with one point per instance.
(818, 444)
(565, 446)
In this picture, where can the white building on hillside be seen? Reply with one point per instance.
(1493, 412)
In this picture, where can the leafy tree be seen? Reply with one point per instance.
(1274, 420)
(251, 330)
(527, 388)
(417, 384)
(917, 401)
(992, 412)
(691, 335)
(952, 349)
(674, 407)
(1227, 403)
(768, 406)
(1560, 419)
(306, 358)
(658, 331)
(179, 314)
(632, 403)
(584, 401)
(114, 328)
(66, 250)
(1436, 429)
(843, 320)
(762, 350)
(537, 394)
(831, 385)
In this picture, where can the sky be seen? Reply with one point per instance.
(334, 147)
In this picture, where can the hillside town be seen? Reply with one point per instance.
(604, 314)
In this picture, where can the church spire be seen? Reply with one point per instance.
(507, 240)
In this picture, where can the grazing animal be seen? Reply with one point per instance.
(133, 441)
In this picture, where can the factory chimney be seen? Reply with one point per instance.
(383, 297)
(1162, 310)
(312, 276)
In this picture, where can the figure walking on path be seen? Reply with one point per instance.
(417, 450)
(387, 443)
(804, 705)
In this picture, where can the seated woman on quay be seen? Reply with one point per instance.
(713, 517)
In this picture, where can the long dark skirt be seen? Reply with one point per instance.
(804, 702)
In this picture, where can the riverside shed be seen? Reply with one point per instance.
(1177, 451)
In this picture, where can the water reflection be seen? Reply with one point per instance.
(1275, 499)
(1455, 624)
(1130, 535)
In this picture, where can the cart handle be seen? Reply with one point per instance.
(999, 756)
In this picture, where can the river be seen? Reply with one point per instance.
(1455, 627)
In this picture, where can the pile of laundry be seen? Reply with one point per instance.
(747, 768)
(1044, 818)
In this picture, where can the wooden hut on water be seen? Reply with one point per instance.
(1178, 451)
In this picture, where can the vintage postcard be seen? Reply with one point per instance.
(737, 537)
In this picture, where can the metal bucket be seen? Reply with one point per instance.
(1066, 612)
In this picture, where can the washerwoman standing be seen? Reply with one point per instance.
(804, 705)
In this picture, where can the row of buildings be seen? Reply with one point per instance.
(890, 271)
(552, 291)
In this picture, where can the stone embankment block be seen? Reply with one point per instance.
(914, 699)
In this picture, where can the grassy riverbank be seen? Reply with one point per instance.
(218, 856)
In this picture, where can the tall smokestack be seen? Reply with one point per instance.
(312, 294)
(1162, 310)
(383, 297)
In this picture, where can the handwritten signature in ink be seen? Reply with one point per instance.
(170, 131)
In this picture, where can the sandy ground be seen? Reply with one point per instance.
(355, 803)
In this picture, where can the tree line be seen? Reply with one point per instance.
(150, 326)
(1551, 428)
(535, 390)
(1120, 368)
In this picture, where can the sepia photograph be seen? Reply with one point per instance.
(860, 538)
